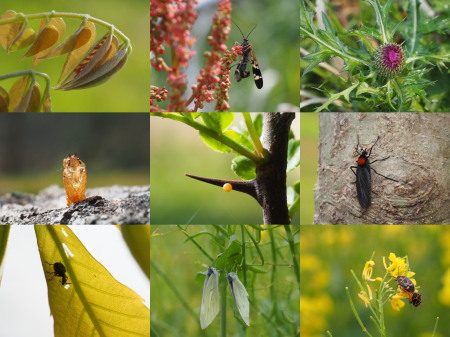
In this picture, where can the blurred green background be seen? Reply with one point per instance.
(309, 151)
(127, 90)
(114, 147)
(177, 280)
(328, 253)
(275, 43)
(176, 150)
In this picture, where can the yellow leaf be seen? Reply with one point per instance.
(50, 33)
(46, 102)
(92, 302)
(95, 54)
(26, 38)
(84, 35)
(35, 99)
(18, 91)
(111, 63)
(4, 100)
(30, 100)
(9, 32)
(83, 43)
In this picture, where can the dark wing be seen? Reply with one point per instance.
(363, 186)
(257, 76)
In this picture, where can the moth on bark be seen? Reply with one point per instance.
(74, 179)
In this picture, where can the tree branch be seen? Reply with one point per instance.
(269, 186)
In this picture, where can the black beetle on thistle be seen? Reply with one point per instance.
(363, 175)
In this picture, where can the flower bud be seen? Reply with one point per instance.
(389, 60)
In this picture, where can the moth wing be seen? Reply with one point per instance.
(257, 76)
(210, 298)
(240, 296)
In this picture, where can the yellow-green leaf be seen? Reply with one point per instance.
(137, 238)
(9, 32)
(26, 38)
(83, 37)
(101, 74)
(78, 46)
(95, 54)
(93, 303)
(30, 100)
(4, 235)
(4, 100)
(18, 91)
(51, 31)
(46, 102)
(35, 99)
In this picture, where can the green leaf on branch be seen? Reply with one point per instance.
(244, 167)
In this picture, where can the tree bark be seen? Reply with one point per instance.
(419, 158)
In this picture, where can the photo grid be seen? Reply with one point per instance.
(181, 214)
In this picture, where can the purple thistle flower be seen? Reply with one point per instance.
(389, 60)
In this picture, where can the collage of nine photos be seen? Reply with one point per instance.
(180, 186)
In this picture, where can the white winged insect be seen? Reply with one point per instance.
(240, 296)
(210, 298)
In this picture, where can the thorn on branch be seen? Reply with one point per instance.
(244, 186)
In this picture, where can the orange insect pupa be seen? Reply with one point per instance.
(74, 179)
(227, 187)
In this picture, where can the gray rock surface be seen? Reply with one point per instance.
(112, 205)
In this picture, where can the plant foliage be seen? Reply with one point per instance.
(365, 88)
(90, 61)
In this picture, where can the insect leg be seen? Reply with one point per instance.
(383, 175)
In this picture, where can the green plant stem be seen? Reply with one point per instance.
(400, 95)
(53, 14)
(378, 12)
(338, 52)
(172, 287)
(220, 137)
(195, 243)
(25, 72)
(223, 309)
(294, 253)
(294, 207)
(435, 327)
(253, 134)
(356, 313)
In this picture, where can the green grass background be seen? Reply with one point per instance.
(176, 290)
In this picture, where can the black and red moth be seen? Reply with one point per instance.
(363, 176)
(248, 55)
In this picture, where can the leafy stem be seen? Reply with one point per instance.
(378, 12)
(328, 46)
(46, 15)
(222, 138)
(253, 134)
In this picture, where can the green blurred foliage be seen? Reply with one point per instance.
(181, 254)
(328, 253)
(309, 129)
(176, 150)
(114, 147)
(126, 91)
(275, 43)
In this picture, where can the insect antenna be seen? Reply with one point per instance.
(244, 37)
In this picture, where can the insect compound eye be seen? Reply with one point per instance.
(227, 187)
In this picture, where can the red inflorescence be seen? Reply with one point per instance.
(390, 60)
